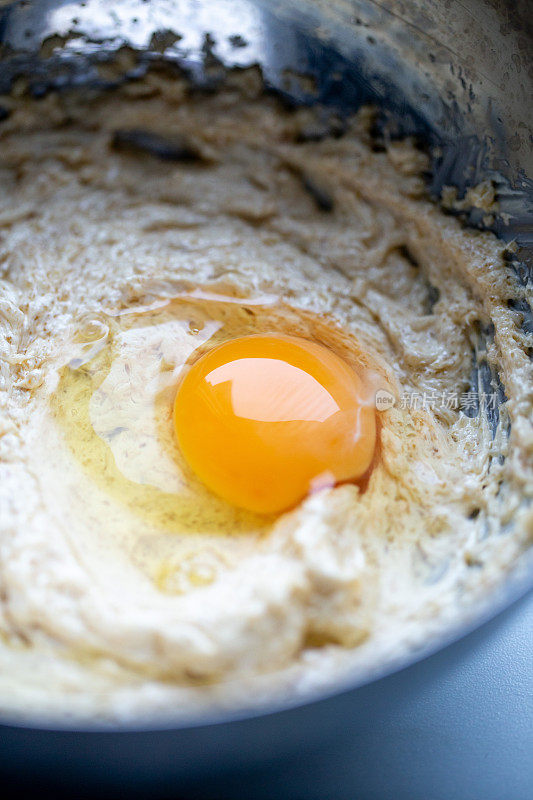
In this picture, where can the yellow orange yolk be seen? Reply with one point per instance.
(263, 420)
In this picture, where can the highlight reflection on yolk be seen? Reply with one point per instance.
(264, 419)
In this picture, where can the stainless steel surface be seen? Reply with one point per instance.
(457, 73)
(469, 58)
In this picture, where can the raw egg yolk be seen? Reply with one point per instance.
(263, 420)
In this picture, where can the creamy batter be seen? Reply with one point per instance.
(140, 227)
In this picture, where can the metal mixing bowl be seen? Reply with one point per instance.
(454, 721)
